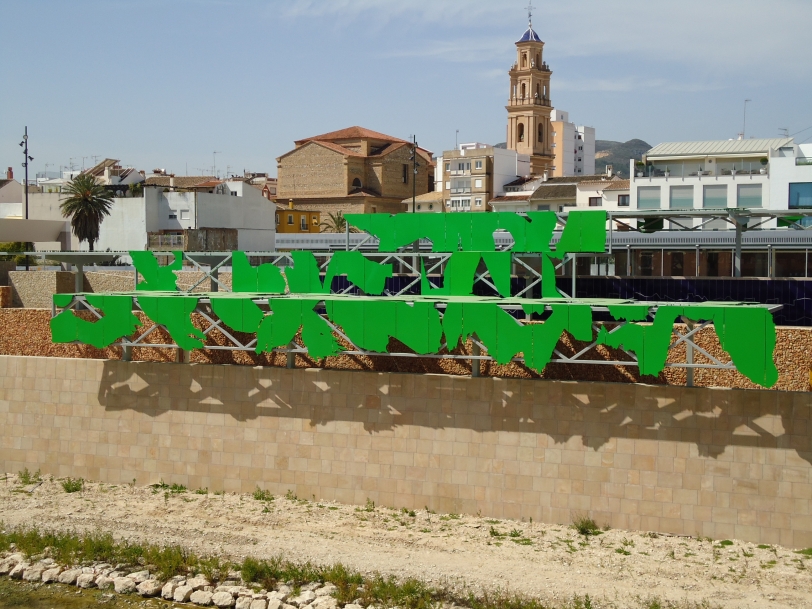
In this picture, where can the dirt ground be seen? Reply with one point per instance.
(616, 568)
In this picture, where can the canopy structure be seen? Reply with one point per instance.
(33, 231)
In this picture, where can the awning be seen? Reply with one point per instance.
(34, 231)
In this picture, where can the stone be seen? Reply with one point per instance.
(282, 595)
(182, 594)
(69, 576)
(168, 591)
(305, 598)
(353, 606)
(51, 575)
(324, 602)
(124, 585)
(34, 573)
(150, 587)
(284, 589)
(103, 582)
(286, 606)
(18, 571)
(86, 580)
(223, 599)
(8, 563)
(139, 576)
(244, 602)
(259, 604)
(201, 597)
(88, 570)
(326, 590)
(311, 587)
(197, 583)
(274, 603)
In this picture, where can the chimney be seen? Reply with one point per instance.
(544, 177)
(9, 174)
(290, 203)
(172, 181)
(609, 171)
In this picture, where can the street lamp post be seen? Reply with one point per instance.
(26, 160)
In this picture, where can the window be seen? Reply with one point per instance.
(233, 193)
(595, 202)
(677, 263)
(405, 173)
(356, 183)
(524, 60)
(623, 200)
(431, 206)
(800, 195)
(524, 90)
(173, 216)
(749, 195)
(418, 206)
(468, 167)
(315, 220)
(477, 183)
(460, 166)
(448, 166)
(478, 165)
(541, 133)
(184, 214)
(448, 185)
(303, 223)
(682, 197)
(478, 202)
(277, 219)
(520, 132)
(714, 197)
(290, 219)
(648, 197)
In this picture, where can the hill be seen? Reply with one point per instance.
(618, 154)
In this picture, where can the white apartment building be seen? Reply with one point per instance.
(773, 174)
(573, 146)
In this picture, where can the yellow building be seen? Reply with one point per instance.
(290, 220)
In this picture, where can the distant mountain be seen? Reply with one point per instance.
(503, 145)
(617, 154)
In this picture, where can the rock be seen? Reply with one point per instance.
(305, 598)
(168, 591)
(353, 606)
(18, 571)
(311, 587)
(259, 604)
(326, 590)
(139, 576)
(103, 582)
(286, 606)
(274, 603)
(69, 576)
(244, 602)
(150, 587)
(281, 596)
(88, 570)
(201, 597)
(223, 599)
(182, 594)
(51, 575)
(86, 580)
(197, 583)
(124, 585)
(8, 563)
(324, 602)
(284, 589)
(34, 573)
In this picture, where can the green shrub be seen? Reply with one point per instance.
(73, 485)
(262, 495)
(27, 477)
(586, 526)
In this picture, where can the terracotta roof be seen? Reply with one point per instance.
(619, 185)
(554, 191)
(336, 148)
(209, 184)
(180, 181)
(429, 197)
(353, 133)
(508, 199)
(364, 192)
(520, 181)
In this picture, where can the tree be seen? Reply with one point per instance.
(86, 206)
(335, 223)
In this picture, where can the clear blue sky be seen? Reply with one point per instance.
(164, 83)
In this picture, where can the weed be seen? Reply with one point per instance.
(806, 552)
(175, 489)
(585, 526)
(263, 495)
(27, 477)
(73, 485)
(626, 542)
(495, 533)
(671, 555)
(725, 542)
(522, 541)
(515, 533)
(769, 564)
(492, 521)
(202, 491)
(747, 554)
(291, 496)
(454, 516)
(410, 513)
(370, 506)
(764, 546)
(622, 551)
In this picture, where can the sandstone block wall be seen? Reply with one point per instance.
(717, 463)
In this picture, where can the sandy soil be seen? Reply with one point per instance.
(548, 561)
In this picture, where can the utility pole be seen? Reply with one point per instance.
(415, 165)
(26, 161)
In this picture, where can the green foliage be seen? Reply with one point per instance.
(335, 223)
(16, 246)
(262, 495)
(87, 204)
(174, 489)
(27, 477)
(73, 485)
(585, 525)
(805, 552)
(725, 542)
(202, 491)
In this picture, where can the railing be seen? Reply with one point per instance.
(460, 172)
(171, 241)
(461, 191)
(529, 101)
(803, 161)
(692, 171)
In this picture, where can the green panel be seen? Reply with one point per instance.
(545, 336)
(540, 231)
(368, 275)
(407, 228)
(457, 232)
(240, 314)
(635, 312)
(580, 321)
(512, 337)
(64, 328)
(516, 225)
(458, 279)
(280, 326)
(380, 322)
(265, 278)
(174, 314)
(432, 227)
(749, 337)
(62, 300)
(418, 326)
(480, 319)
(548, 289)
(117, 321)
(316, 334)
(380, 225)
(452, 324)
(304, 276)
(498, 264)
(585, 231)
(156, 278)
(482, 227)
(349, 315)
(649, 343)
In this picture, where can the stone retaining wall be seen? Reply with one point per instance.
(710, 462)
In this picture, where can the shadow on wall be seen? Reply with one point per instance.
(599, 413)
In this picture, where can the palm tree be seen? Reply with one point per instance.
(335, 223)
(86, 206)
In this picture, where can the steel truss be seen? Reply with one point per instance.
(479, 351)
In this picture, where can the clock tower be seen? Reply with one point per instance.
(529, 108)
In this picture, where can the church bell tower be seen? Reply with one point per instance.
(529, 108)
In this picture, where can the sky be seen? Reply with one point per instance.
(167, 83)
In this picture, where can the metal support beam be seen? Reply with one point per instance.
(574, 259)
(291, 357)
(689, 356)
(737, 252)
(475, 351)
(215, 273)
(181, 356)
(126, 353)
(79, 280)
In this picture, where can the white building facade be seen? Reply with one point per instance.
(573, 146)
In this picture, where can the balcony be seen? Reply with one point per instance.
(695, 170)
(461, 191)
(529, 101)
(460, 172)
(159, 241)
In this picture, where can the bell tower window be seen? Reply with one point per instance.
(356, 183)
(541, 133)
(520, 132)
(524, 60)
(524, 90)
(538, 60)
